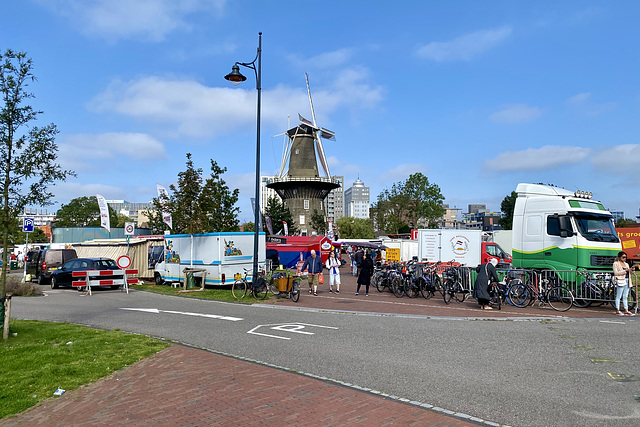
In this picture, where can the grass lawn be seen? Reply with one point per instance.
(220, 294)
(44, 356)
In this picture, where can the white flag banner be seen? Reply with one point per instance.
(104, 213)
(330, 231)
(286, 228)
(163, 197)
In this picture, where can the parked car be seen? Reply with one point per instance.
(41, 263)
(63, 276)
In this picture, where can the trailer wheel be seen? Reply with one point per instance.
(158, 279)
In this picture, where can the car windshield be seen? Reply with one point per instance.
(596, 228)
(105, 264)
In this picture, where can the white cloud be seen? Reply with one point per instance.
(583, 104)
(186, 107)
(400, 173)
(580, 98)
(618, 160)
(65, 191)
(516, 113)
(323, 60)
(543, 158)
(464, 48)
(85, 152)
(150, 20)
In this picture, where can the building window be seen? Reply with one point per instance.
(306, 204)
(301, 219)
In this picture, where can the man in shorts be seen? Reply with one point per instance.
(314, 266)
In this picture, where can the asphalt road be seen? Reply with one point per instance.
(522, 373)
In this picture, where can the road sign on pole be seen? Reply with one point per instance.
(27, 225)
(129, 228)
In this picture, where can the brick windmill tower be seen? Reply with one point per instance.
(301, 187)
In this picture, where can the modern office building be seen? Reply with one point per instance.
(356, 200)
(129, 209)
(450, 217)
(335, 201)
(40, 216)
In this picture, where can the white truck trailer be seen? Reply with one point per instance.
(216, 256)
(462, 246)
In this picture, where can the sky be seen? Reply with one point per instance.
(477, 96)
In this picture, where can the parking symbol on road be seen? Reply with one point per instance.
(27, 225)
(287, 328)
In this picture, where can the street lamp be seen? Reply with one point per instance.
(236, 78)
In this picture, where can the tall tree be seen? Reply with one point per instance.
(27, 160)
(83, 211)
(197, 205)
(414, 202)
(278, 212)
(507, 207)
(355, 228)
(318, 223)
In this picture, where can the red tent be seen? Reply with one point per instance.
(289, 250)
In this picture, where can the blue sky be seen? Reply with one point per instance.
(478, 96)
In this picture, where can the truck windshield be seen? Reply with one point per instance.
(596, 228)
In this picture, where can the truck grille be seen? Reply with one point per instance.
(602, 260)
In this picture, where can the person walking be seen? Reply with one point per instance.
(359, 256)
(333, 265)
(365, 271)
(314, 266)
(486, 275)
(621, 271)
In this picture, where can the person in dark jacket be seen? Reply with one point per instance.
(314, 264)
(486, 275)
(364, 273)
(359, 256)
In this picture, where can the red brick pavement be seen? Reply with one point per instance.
(183, 386)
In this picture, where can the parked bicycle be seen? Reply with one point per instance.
(453, 286)
(258, 288)
(546, 289)
(285, 284)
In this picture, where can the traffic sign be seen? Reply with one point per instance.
(123, 261)
(129, 228)
(27, 225)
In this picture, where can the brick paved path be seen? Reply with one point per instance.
(182, 386)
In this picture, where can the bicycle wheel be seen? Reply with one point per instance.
(447, 291)
(412, 288)
(496, 297)
(439, 284)
(518, 295)
(460, 292)
(559, 298)
(271, 286)
(378, 281)
(260, 289)
(239, 289)
(295, 291)
(426, 290)
(397, 287)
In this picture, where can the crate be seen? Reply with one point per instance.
(283, 284)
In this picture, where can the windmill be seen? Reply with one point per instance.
(318, 133)
(300, 186)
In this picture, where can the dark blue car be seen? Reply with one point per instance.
(63, 275)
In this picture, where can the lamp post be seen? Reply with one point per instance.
(235, 77)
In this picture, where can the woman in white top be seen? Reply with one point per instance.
(333, 265)
(621, 271)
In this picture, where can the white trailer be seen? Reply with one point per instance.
(461, 246)
(216, 256)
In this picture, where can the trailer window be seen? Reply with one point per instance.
(596, 228)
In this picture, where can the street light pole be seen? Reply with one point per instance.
(236, 78)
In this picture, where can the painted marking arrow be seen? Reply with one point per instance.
(186, 313)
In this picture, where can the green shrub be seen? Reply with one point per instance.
(16, 287)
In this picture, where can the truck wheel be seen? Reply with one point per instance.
(158, 279)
